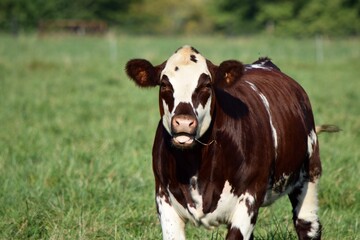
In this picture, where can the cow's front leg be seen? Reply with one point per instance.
(244, 218)
(173, 227)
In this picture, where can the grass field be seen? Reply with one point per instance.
(76, 134)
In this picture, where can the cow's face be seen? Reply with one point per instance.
(186, 94)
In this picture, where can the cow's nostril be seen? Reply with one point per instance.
(184, 123)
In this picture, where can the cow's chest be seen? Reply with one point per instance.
(227, 204)
(194, 209)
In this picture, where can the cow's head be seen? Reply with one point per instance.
(187, 97)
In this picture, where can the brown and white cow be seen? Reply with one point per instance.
(232, 138)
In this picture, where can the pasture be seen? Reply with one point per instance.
(76, 134)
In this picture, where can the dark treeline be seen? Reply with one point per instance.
(230, 17)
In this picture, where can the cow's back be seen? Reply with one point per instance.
(275, 124)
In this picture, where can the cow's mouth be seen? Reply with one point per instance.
(183, 140)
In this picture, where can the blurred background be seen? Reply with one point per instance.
(228, 17)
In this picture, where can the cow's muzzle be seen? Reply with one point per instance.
(183, 129)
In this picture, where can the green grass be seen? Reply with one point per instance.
(76, 134)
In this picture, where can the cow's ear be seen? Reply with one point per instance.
(228, 73)
(142, 72)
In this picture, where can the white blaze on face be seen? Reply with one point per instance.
(183, 70)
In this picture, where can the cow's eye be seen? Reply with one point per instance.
(165, 86)
(204, 83)
(205, 87)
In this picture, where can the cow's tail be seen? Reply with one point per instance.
(327, 128)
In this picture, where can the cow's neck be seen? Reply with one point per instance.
(197, 170)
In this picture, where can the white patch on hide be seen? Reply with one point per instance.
(307, 206)
(259, 66)
(224, 212)
(224, 209)
(242, 216)
(173, 227)
(196, 211)
(204, 118)
(267, 106)
(311, 142)
(166, 118)
(277, 190)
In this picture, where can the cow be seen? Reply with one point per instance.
(231, 138)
